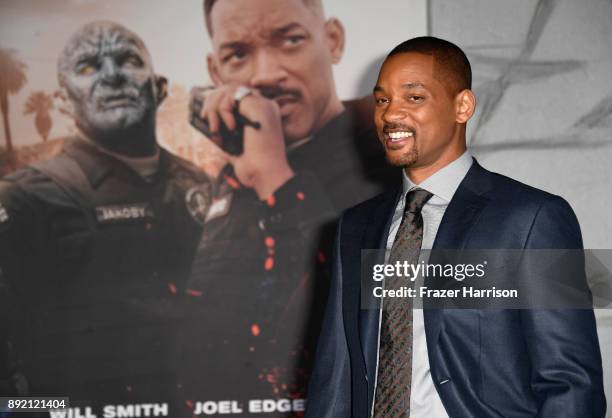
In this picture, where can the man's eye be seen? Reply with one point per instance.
(294, 40)
(381, 100)
(416, 99)
(234, 57)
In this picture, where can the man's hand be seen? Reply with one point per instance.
(263, 166)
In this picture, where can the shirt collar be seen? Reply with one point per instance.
(297, 144)
(444, 182)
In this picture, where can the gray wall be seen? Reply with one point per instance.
(543, 79)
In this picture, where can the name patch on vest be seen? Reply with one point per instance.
(124, 213)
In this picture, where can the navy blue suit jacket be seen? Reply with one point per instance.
(484, 362)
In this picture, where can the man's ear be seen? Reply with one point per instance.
(161, 88)
(334, 32)
(465, 103)
(213, 69)
(63, 103)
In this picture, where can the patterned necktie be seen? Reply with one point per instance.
(395, 355)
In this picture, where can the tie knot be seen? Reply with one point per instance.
(416, 199)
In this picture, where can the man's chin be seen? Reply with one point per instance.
(401, 160)
(294, 133)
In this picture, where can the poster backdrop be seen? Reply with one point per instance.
(150, 287)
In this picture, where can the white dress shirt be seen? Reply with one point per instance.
(424, 399)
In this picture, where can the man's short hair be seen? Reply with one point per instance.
(451, 63)
(315, 5)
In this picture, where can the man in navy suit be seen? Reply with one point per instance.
(449, 362)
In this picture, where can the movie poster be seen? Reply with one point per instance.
(149, 266)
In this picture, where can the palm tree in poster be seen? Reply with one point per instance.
(12, 79)
(40, 103)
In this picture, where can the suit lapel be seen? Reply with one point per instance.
(375, 237)
(454, 232)
(376, 233)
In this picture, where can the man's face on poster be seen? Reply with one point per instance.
(285, 49)
(106, 73)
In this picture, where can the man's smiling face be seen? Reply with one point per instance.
(416, 113)
(285, 49)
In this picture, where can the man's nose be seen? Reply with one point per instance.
(394, 113)
(267, 71)
(111, 72)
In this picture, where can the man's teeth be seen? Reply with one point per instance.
(400, 135)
